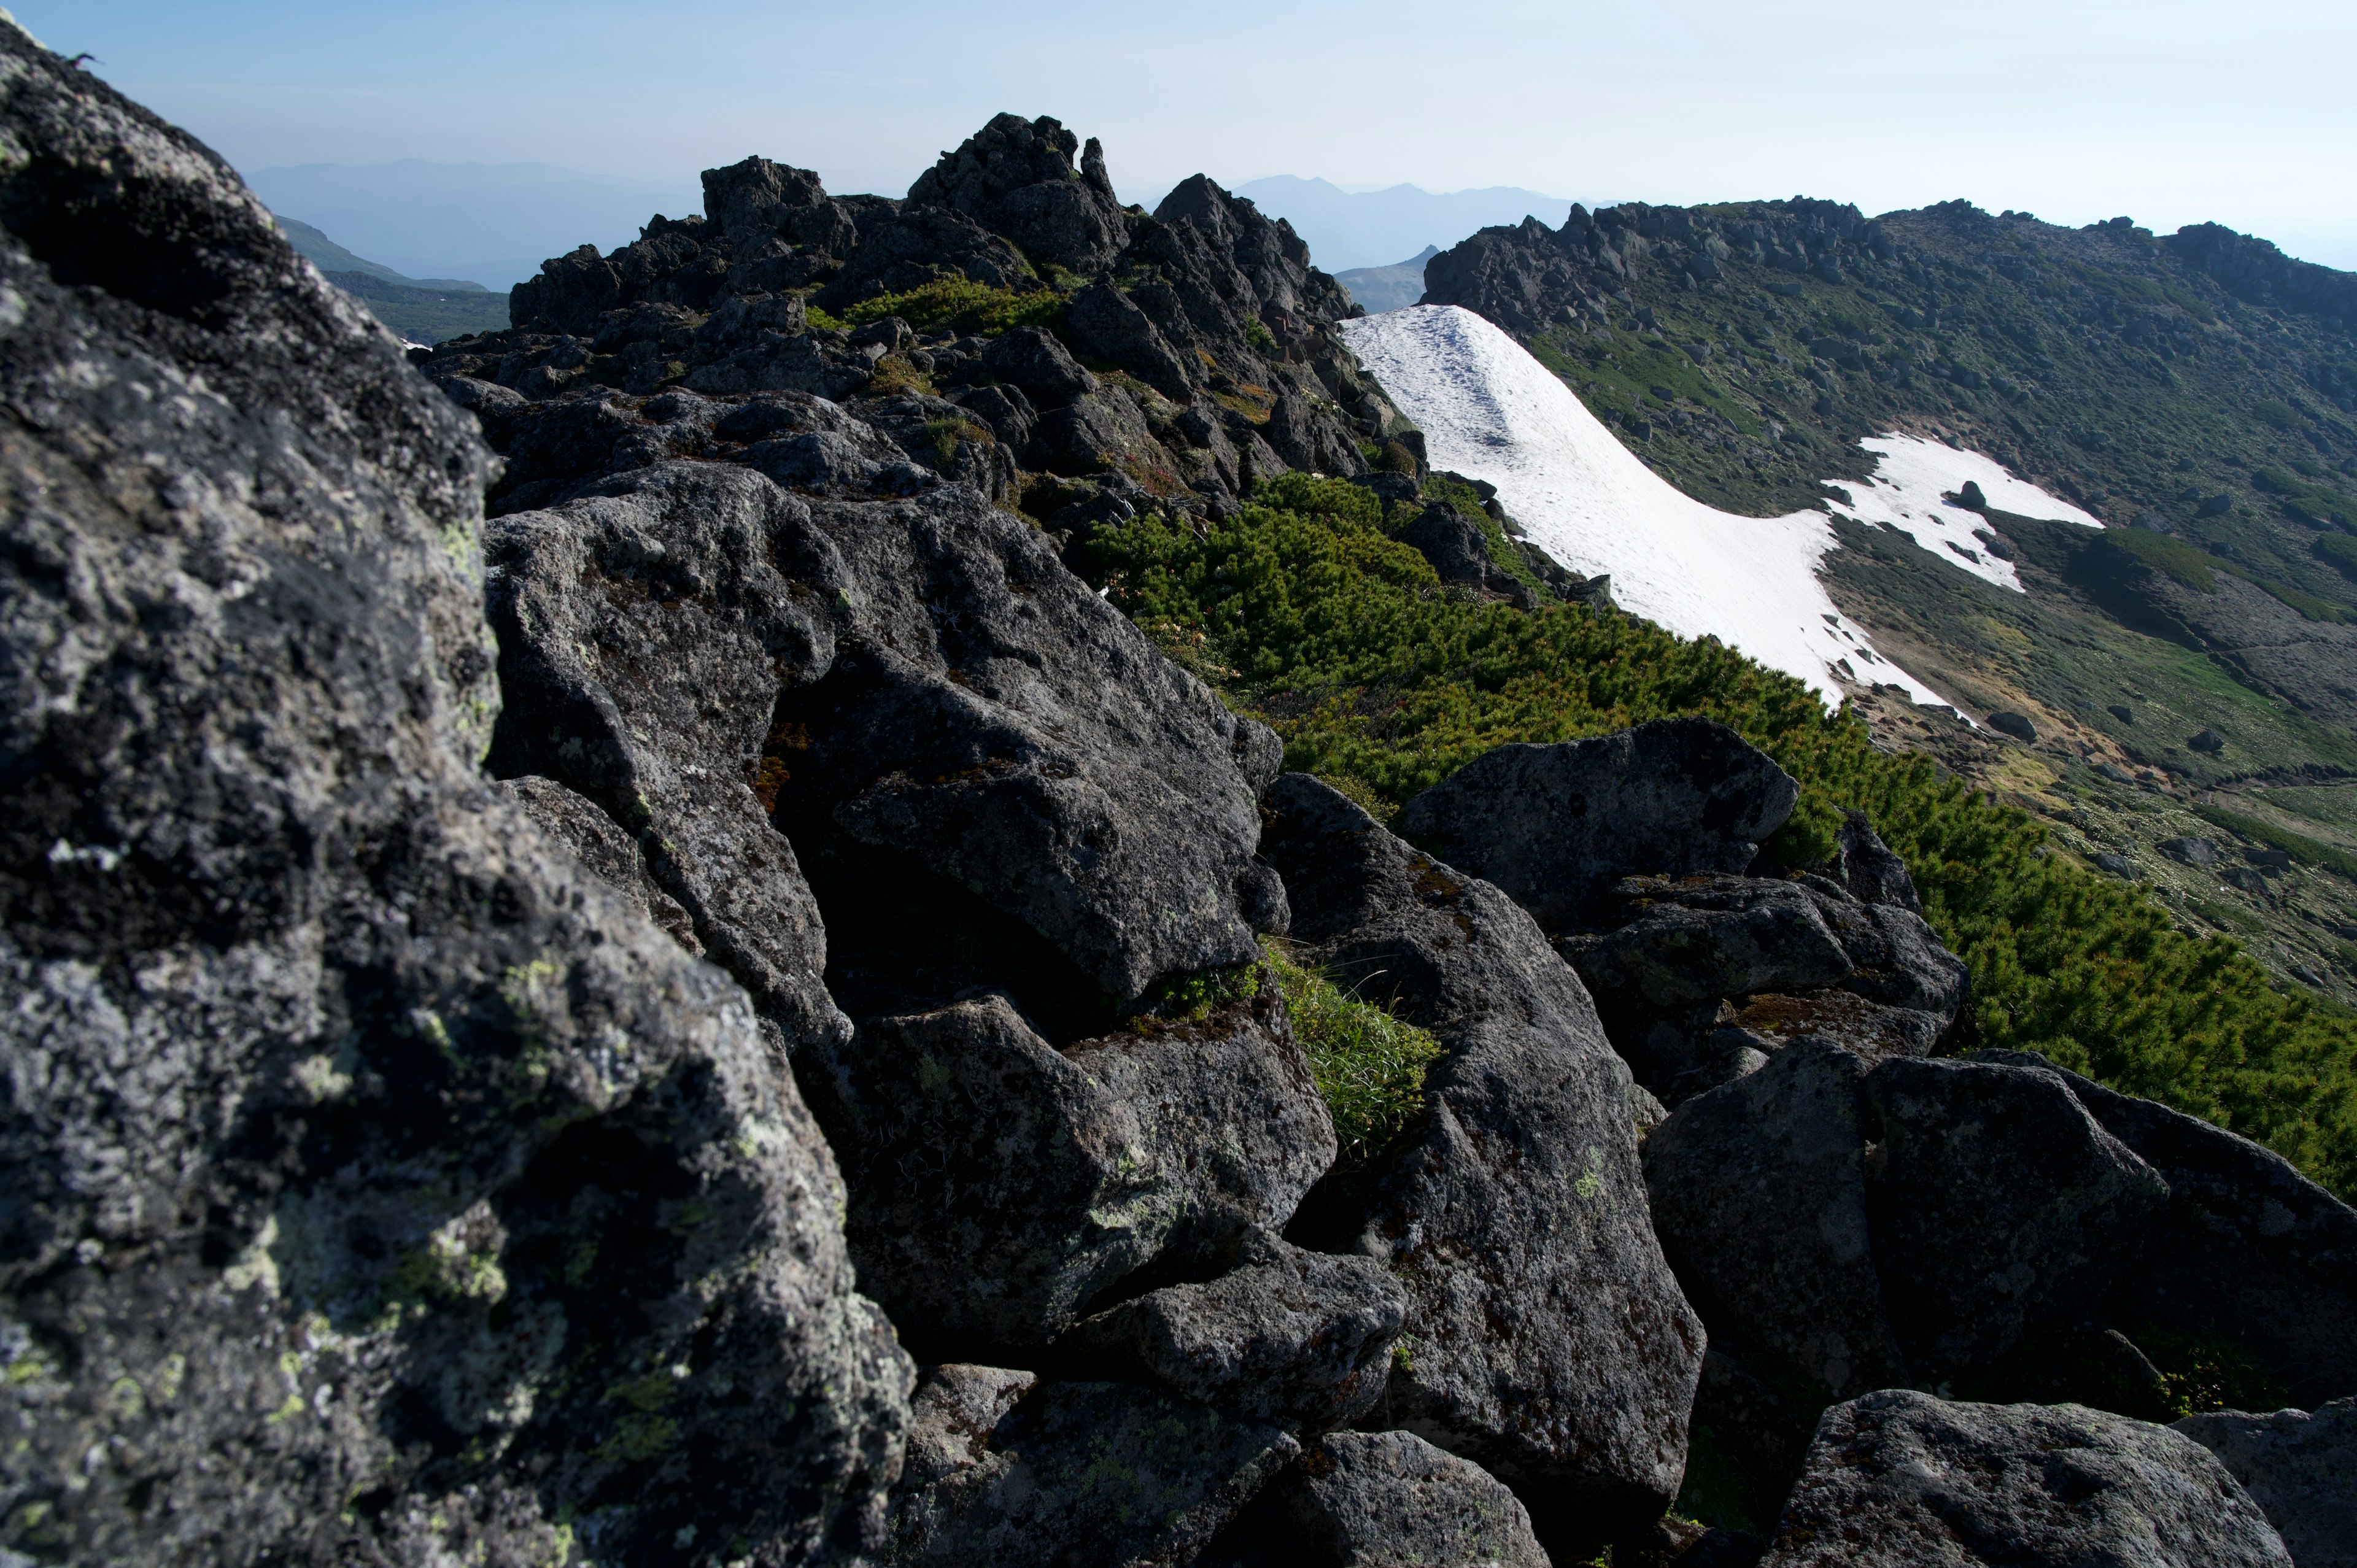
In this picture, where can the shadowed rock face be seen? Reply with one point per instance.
(1556, 826)
(360, 1143)
(1545, 1337)
(1014, 1472)
(1902, 1478)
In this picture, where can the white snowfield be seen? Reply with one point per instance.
(1491, 412)
(1913, 474)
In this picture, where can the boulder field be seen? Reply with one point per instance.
(606, 957)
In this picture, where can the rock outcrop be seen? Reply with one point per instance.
(1214, 332)
(1009, 1470)
(1363, 1499)
(382, 1184)
(1902, 1478)
(2301, 1469)
(1546, 1338)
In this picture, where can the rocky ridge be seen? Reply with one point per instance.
(513, 1027)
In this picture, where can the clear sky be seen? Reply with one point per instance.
(2169, 111)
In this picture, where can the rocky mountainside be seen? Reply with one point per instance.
(739, 1012)
(2198, 392)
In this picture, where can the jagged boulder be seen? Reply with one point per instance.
(1016, 176)
(1758, 1191)
(2301, 1470)
(381, 1185)
(1547, 1339)
(1899, 1478)
(1866, 866)
(1373, 1499)
(1996, 1201)
(601, 845)
(999, 1184)
(1020, 1473)
(1556, 826)
(1698, 978)
(700, 647)
(1301, 1339)
(2249, 1248)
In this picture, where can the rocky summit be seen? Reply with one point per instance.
(609, 957)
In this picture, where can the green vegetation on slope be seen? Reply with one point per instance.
(425, 315)
(1305, 609)
(952, 303)
(1368, 1064)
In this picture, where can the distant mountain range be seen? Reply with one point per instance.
(1348, 231)
(1378, 289)
(494, 222)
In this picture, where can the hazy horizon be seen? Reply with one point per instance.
(2173, 112)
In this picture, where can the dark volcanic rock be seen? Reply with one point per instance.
(699, 645)
(1899, 1478)
(1705, 937)
(383, 1187)
(1030, 358)
(2301, 1470)
(1556, 826)
(1370, 1499)
(2250, 1249)
(1547, 1339)
(1015, 177)
(1866, 866)
(1759, 1193)
(604, 848)
(1070, 1474)
(1302, 1338)
(1996, 1201)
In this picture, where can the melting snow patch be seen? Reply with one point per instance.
(1490, 412)
(1912, 474)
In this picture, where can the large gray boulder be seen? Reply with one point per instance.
(1996, 1202)
(998, 1185)
(1903, 1479)
(1016, 1474)
(381, 1185)
(1556, 826)
(2301, 1470)
(2250, 1249)
(1301, 1339)
(1390, 1499)
(1547, 1339)
(698, 649)
(1759, 1193)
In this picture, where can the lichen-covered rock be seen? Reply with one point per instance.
(1899, 1478)
(1547, 1339)
(1301, 1339)
(923, 679)
(1698, 940)
(1016, 176)
(1758, 1194)
(2301, 1469)
(1390, 1499)
(1108, 1474)
(997, 1184)
(1556, 826)
(381, 1184)
(2250, 1249)
(604, 848)
(1996, 1201)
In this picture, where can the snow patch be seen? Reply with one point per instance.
(1491, 412)
(1911, 475)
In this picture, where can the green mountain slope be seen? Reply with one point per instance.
(424, 310)
(1306, 609)
(2198, 393)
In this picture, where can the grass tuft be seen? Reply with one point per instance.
(1368, 1064)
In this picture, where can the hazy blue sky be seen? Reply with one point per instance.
(2169, 111)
